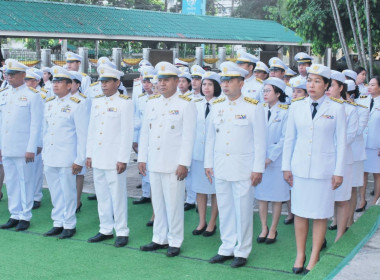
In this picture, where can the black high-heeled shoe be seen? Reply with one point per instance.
(362, 208)
(1, 196)
(271, 240)
(306, 271)
(262, 239)
(209, 233)
(78, 208)
(298, 270)
(199, 231)
(332, 227)
(324, 245)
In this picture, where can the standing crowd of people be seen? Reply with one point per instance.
(247, 132)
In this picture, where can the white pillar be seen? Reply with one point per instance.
(117, 54)
(46, 58)
(83, 52)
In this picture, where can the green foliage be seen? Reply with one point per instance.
(257, 9)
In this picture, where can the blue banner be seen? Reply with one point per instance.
(192, 7)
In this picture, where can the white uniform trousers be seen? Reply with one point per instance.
(167, 201)
(190, 194)
(235, 205)
(63, 193)
(20, 187)
(111, 193)
(38, 177)
(145, 185)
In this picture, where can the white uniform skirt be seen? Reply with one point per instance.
(343, 193)
(273, 186)
(312, 198)
(358, 173)
(372, 163)
(199, 181)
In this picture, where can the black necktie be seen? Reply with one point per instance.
(315, 104)
(269, 113)
(207, 109)
(371, 105)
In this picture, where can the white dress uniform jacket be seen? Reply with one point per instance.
(372, 133)
(358, 146)
(314, 155)
(253, 88)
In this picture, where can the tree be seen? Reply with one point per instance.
(369, 36)
(253, 8)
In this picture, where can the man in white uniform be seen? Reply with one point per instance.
(235, 158)
(109, 145)
(304, 60)
(64, 153)
(166, 143)
(20, 130)
(73, 62)
(253, 86)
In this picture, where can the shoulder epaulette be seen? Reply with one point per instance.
(44, 90)
(337, 100)
(126, 97)
(298, 99)
(43, 96)
(288, 85)
(84, 74)
(154, 96)
(99, 95)
(199, 99)
(251, 100)
(184, 97)
(360, 105)
(50, 99)
(350, 102)
(220, 99)
(259, 80)
(81, 94)
(186, 94)
(76, 100)
(33, 89)
(363, 96)
(4, 88)
(93, 84)
(283, 106)
(142, 94)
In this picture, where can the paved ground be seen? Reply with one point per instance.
(365, 265)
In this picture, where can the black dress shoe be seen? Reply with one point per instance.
(209, 233)
(153, 246)
(372, 193)
(22, 225)
(36, 205)
(298, 270)
(271, 240)
(220, 259)
(138, 187)
(289, 221)
(1, 196)
(199, 231)
(173, 251)
(54, 231)
(150, 223)
(121, 241)
(332, 227)
(99, 237)
(92, 197)
(78, 208)
(10, 224)
(142, 200)
(362, 208)
(189, 206)
(238, 262)
(262, 239)
(67, 233)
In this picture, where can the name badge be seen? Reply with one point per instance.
(23, 98)
(328, 117)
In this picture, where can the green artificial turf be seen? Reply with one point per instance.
(29, 255)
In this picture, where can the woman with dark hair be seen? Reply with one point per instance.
(184, 85)
(372, 139)
(47, 78)
(273, 187)
(360, 79)
(210, 90)
(358, 148)
(313, 161)
(338, 90)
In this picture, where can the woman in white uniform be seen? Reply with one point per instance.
(184, 85)
(273, 187)
(358, 148)
(313, 161)
(360, 79)
(210, 90)
(338, 90)
(372, 135)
